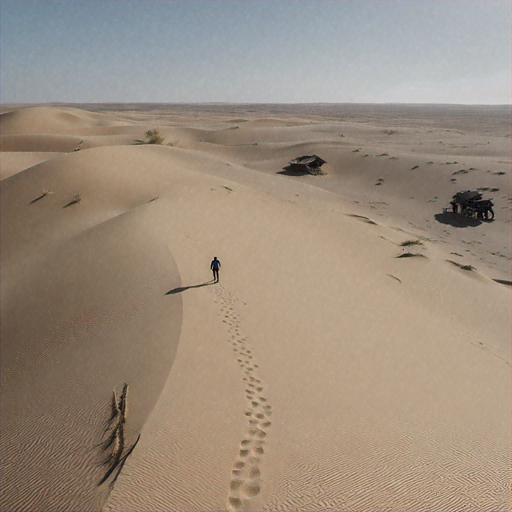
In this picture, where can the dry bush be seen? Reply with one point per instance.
(410, 255)
(463, 267)
(411, 242)
(153, 137)
(76, 200)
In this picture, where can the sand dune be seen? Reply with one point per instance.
(40, 143)
(355, 355)
(13, 162)
(50, 120)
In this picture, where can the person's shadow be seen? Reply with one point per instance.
(183, 288)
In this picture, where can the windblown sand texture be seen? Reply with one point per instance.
(354, 356)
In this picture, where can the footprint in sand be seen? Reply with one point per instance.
(250, 490)
(245, 482)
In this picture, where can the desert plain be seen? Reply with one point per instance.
(354, 356)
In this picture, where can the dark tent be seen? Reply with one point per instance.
(466, 195)
(310, 164)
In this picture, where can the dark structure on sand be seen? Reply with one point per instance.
(471, 204)
(310, 164)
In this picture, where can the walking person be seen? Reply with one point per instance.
(215, 266)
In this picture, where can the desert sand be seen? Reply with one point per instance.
(325, 371)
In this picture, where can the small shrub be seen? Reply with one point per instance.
(76, 200)
(411, 242)
(45, 192)
(153, 137)
(463, 267)
(410, 255)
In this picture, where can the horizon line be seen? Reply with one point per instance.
(249, 103)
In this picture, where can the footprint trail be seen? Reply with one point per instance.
(245, 482)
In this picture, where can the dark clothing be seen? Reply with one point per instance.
(215, 266)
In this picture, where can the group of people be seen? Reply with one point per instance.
(481, 208)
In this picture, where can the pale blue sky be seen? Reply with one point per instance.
(273, 51)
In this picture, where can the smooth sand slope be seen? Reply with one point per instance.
(324, 372)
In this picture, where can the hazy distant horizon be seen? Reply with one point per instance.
(262, 103)
(280, 52)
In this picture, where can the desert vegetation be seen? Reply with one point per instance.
(154, 137)
(460, 265)
(410, 255)
(76, 200)
(114, 445)
(411, 242)
(45, 192)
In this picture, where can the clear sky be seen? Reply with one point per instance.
(244, 51)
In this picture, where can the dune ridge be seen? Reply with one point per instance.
(323, 372)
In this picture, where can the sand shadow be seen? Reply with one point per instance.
(71, 203)
(361, 218)
(457, 220)
(38, 198)
(183, 288)
(503, 281)
(291, 170)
